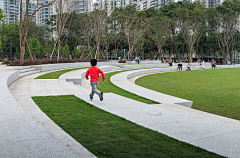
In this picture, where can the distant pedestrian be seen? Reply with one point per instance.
(213, 64)
(94, 74)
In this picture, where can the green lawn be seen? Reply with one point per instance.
(215, 90)
(108, 86)
(107, 135)
(105, 87)
(57, 74)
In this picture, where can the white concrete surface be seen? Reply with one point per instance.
(211, 132)
(20, 135)
(121, 80)
(23, 89)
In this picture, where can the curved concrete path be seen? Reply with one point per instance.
(211, 132)
(122, 80)
(20, 135)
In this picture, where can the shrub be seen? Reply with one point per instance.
(46, 61)
(122, 61)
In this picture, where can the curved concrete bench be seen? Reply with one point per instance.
(49, 67)
(78, 80)
(121, 80)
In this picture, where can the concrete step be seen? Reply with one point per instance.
(22, 67)
(26, 70)
(28, 73)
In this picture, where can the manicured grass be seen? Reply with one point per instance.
(108, 86)
(57, 74)
(105, 87)
(107, 135)
(215, 90)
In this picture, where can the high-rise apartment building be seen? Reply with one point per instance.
(11, 9)
(44, 13)
(109, 5)
(81, 6)
(211, 3)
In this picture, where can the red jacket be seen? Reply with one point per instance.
(94, 73)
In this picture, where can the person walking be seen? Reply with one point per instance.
(94, 74)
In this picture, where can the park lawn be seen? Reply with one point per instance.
(107, 135)
(109, 87)
(214, 90)
(57, 74)
(105, 87)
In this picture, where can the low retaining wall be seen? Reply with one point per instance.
(141, 66)
(49, 67)
(12, 78)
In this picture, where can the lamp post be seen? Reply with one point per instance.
(52, 45)
(2, 55)
(10, 58)
(121, 52)
(235, 48)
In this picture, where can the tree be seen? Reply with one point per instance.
(34, 46)
(223, 21)
(85, 26)
(160, 31)
(2, 16)
(170, 11)
(132, 23)
(24, 23)
(75, 53)
(65, 51)
(192, 19)
(107, 39)
(99, 22)
(63, 10)
(10, 32)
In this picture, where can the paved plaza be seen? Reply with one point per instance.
(27, 132)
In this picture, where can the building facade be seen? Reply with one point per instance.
(11, 10)
(45, 13)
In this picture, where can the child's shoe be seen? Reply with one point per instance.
(90, 97)
(101, 96)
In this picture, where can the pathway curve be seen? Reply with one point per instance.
(20, 135)
(211, 132)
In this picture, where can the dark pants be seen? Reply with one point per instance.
(180, 67)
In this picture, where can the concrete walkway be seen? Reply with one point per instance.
(121, 80)
(211, 132)
(24, 88)
(20, 135)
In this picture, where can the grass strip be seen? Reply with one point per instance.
(57, 74)
(107, 135)
(109, 87)
(214, 90)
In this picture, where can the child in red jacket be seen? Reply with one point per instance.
(94, 74)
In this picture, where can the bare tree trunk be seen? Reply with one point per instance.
(22, 51)
(160, 54)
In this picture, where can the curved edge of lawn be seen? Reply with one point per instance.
(108, 87)
(105, 87)
(57, 74)
(214, 91)
(108, 135)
